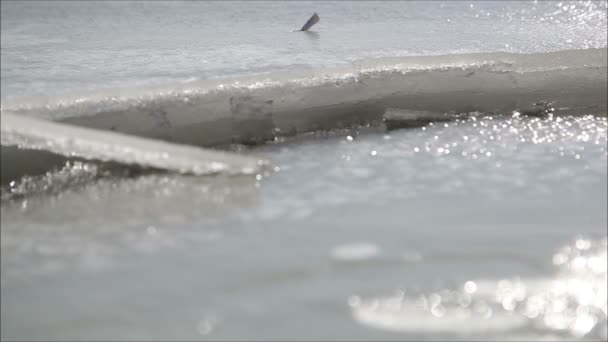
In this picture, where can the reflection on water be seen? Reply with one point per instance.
(312, 35)
(572, 302)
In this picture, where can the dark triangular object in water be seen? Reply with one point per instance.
(313, 20)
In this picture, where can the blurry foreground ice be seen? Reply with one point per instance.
(573, 303)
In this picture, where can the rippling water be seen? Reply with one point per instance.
(483, 227)
(138, 43)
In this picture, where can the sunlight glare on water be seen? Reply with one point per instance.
(573, 300)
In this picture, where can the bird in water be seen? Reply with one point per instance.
(313, 20)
